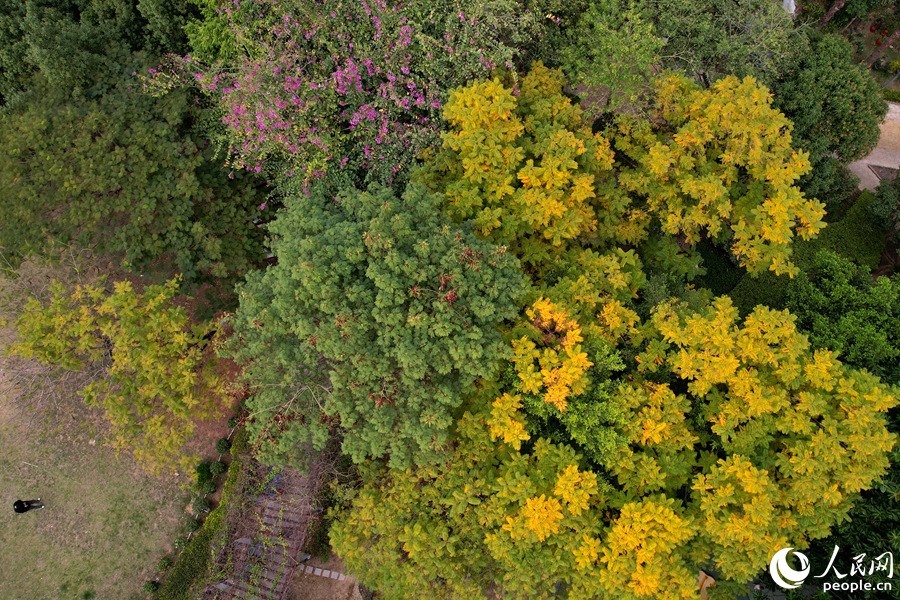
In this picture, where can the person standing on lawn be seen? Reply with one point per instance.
(22, 506)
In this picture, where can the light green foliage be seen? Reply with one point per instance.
(709, 38)
(487, 520)
(842, 310)
(392, 301)
(122, 174)
(152, 381)
(611, 45)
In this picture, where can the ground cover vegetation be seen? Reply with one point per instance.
(582, 290)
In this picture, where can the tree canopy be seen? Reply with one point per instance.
(390, 301)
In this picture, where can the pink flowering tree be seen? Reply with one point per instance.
(345, 91)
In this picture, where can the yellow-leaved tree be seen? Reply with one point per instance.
(153, 378)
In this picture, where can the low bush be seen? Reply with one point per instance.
(217, 468)
(203, 473)
(232, 422)
(891, 95)
(766, 288)
(151, 587)
(192, 524)
(854, 237)
(208, 487)
(164, 563)
(200, 505)
(222, 445)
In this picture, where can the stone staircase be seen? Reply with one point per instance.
(259, 564)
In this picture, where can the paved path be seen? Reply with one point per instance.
(886, 154)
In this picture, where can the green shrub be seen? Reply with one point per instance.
(853, 237)
(767, 289)
(884, 212)
(180, 542)
(222, 445)
(833, 184)
(151, 587)
(232, 422)
(203, 473)
(891, 95)
(721, 272)
(192, 524)
(193, 562)
(217, 468)
(201, 505)
(840, 309)
(208, 487)
(894, 66)
(164, 563)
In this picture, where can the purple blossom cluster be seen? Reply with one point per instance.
(338, 84)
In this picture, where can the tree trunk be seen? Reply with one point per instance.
(883, 47)
(836, 6)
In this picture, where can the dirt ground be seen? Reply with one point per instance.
(315, 587)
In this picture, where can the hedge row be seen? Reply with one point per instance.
(194, 561)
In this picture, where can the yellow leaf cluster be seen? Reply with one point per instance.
(505, 422)
(575, 488)
(559, 369)
(540, 515)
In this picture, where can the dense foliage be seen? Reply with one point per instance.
(123, 174)
(503, 305)
(377, 317)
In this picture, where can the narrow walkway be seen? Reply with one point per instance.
(264, 546)
(886, 154)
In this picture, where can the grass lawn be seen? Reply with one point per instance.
(106, 523)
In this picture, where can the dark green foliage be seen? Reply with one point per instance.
(217, 468)
(200, 505)
(708, 38)
(885, 208)
(891, 95)
(123, 174)
(766, 289)
(834, 103)
(81, 45)
(151, 587)
(208, 487)
(391, 302)
(165, 562)
(831, 182)
(722, 274)
(192, 524)
(204, 473)
(222, 445)
(166, 22)
(180, 542)
(840, 309)
(232, 422)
